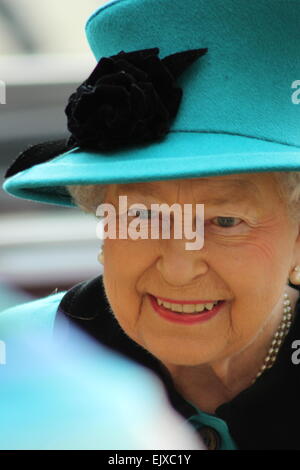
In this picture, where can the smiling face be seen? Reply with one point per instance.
(250, 246)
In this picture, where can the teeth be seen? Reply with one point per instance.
(176, 307)
(210, 306)
(190, 308)
(186, 308)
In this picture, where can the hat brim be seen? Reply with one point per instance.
(180, 155)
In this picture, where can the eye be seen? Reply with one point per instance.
(227, 222)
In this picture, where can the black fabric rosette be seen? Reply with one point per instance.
(129, 98)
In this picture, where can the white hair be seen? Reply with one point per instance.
(89, 197)
(289, 189)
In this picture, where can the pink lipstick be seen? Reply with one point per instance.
(185, 318)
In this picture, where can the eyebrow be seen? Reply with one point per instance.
(245, 187)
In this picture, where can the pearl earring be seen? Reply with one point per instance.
(101, 257)
(295, 275)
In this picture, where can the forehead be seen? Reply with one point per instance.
(248, 185)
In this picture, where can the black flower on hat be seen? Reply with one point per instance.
(129, 98)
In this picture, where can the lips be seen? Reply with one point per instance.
(182, 317)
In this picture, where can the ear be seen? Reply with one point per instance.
(294, 273)
(297, 242)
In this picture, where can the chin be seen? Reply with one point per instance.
(176, 356)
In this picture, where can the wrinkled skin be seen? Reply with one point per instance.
(247, 263)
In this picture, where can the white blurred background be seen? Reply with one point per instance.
(44, 56)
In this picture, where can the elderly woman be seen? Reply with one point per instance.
(218, 323)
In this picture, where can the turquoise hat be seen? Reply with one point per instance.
(182, 89)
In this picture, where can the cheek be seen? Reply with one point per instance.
(257, 275)
(125, 258)
(125, 262)
(258, 260)
(271, 255)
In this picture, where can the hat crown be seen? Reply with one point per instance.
(243, 85)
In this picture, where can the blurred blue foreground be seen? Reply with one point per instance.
(82, 396)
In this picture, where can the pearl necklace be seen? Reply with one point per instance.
(278, 337)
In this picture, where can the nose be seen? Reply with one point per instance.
(181, 267)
